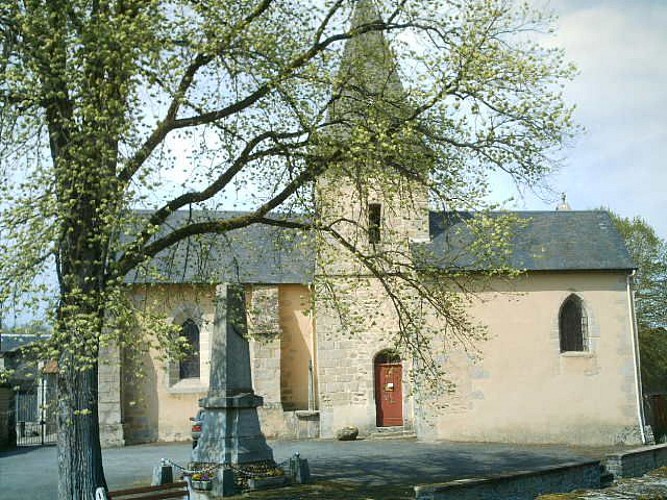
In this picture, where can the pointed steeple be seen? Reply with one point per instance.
(368, 75)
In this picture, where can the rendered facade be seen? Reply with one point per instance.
(559, 364)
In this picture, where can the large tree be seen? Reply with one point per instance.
(112, 105)
(649, 253)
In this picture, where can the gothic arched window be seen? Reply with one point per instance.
(573, 325)
(189, 366)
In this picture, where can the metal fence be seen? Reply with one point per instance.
(655, 406)
(35, 413)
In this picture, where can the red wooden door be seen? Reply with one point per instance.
(388, 394)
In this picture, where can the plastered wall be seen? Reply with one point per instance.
(157, 405)
(514, 387)
(523, 389)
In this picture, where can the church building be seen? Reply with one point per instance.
(558, 362)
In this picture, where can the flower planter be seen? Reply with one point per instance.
(202, 485)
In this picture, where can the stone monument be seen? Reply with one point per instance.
(231, 434)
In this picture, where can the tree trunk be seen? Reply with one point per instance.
(79, 453)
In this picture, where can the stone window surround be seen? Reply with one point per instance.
(587, 328)
(175, 384)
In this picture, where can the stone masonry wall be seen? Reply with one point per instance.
(517, 486)
(355, 318)
(635, 463)
(346, 354)
(109, 384)
(281, 347)
(264, 330)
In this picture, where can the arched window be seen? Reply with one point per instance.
(573, 325)
(189, 366)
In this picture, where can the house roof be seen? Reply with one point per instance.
(10, 342)
(254, 254)
(540, 241)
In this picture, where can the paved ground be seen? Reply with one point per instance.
(362, 468)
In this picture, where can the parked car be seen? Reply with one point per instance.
(196, 427)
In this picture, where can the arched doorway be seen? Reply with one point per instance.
(388, 389)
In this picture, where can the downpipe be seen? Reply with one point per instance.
(637, 362)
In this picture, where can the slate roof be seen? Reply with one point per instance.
(260, 254)
(14, 341)
(541, 241)
(254, 254)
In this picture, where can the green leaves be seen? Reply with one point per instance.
(266, 96)
(111, 106)
(649, 253)
(653, 351)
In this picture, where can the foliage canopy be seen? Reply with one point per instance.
(649, 252)
(107, 106)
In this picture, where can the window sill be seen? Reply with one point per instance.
(577, 354)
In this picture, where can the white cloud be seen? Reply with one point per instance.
(621, 96)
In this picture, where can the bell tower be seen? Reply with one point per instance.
(375, 195)
(374, 199)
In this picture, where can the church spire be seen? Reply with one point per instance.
(368, 75)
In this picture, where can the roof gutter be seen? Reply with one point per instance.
(637, 362)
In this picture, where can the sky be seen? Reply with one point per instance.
(620, 93)
(620, 161)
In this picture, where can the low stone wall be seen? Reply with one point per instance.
(296, 424)
(517, 485)
(635, 463)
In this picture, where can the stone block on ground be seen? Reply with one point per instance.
(348, 433)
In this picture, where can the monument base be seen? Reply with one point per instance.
(231, 433)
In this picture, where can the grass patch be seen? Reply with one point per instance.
(573, 495)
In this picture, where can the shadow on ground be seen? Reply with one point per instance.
(359, 470)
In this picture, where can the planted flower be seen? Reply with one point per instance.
(202, 480)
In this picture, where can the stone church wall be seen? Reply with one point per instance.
(355, 320)
(282, 354)
(156, 405)
(523, 389)
(346, 354)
